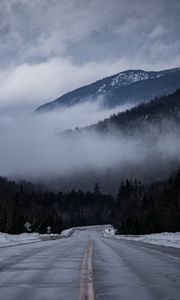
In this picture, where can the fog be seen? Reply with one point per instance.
(33, 148)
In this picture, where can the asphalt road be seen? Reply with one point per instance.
(88, 266)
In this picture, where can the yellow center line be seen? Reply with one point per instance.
(86, 278)
(90, 274)
(82, 278)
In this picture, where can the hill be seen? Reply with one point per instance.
(154, 113)
(133, 86)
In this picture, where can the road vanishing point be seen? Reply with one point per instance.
(88, 266)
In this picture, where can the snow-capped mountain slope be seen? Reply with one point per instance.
(133, 86)
(127, 78)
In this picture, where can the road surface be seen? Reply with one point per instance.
(89, 266)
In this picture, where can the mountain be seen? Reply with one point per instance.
(133, 86)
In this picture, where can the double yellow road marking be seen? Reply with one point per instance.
(86, 280)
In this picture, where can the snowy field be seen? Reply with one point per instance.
(168, 239)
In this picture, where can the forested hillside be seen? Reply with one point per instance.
(163, 109)
(144, 141)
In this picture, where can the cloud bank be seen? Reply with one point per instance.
(33, 148)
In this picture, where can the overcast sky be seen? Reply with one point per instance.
(48, 47)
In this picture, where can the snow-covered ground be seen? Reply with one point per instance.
(109, 232)
(164, 238)
(67, 232)
(16, 239)
(169, 239)
(24, 238)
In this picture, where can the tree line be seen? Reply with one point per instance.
(137, 208)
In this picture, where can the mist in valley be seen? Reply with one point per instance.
(37, 148)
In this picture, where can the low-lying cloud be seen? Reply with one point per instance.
(34, 148)
(34, 145)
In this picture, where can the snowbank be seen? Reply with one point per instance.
(16, 239)
(51, 236)
(24, 238)
(109, 232)
(67, 232)
(168, 239)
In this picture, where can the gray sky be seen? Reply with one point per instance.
(48, 47)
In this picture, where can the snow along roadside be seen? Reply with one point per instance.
(16, 239)
(168, 239)
(25, 238)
